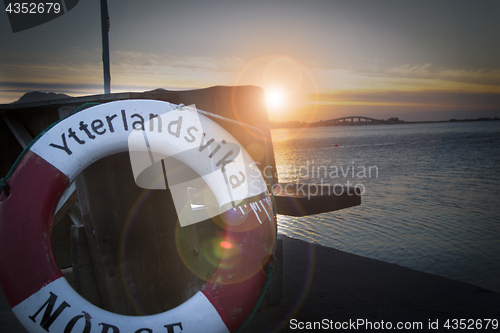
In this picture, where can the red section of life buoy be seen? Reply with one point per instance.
(235, 302)
(26, 258)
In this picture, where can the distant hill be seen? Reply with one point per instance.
(36, 96)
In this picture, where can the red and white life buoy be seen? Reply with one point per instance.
(40, 296)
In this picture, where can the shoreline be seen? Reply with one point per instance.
(301, 125)
(322, 283)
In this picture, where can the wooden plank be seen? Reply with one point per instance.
(17, 128)
(143, 259)
(61, 242)
(308, 199)
(9, 149)
(84, 279)
(68, 199)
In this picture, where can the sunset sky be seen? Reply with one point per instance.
(317, 60)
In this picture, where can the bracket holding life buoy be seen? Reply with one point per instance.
(40, 296)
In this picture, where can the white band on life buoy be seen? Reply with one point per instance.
(214, 155)
(33, 284)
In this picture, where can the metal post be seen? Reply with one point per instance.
(105, 46)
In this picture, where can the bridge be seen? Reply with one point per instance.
(351, 120)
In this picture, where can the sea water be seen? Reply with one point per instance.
(431, 193)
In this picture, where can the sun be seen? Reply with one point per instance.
(275, 99)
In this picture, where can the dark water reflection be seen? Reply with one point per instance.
(433, 204)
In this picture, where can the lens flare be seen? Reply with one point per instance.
(226, 245)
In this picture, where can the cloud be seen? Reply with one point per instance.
(51, 72)
(447, 99)
(140, 59)
(130, 71)
(159, 70)
(478, 76)
(135, 66)
(410, 70)
(408, 78)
